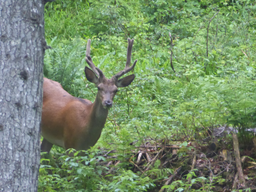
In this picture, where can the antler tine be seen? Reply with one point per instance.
(88, 48)
(128, 61)
(89, 59)
(126, 70)
(129, 52)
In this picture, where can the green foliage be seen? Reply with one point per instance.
(128, 181)
(85, 173)
(206, 90)
(64, 63)
(78, 172)
(207, 184)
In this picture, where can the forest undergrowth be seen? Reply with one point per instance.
(175, 127)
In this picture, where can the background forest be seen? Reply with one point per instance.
(211, 85)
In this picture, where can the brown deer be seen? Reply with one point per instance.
(71, 122)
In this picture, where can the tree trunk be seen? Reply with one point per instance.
(22, 47)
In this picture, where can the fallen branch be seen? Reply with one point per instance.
(158, 146)
(153, 160)
(241, 179)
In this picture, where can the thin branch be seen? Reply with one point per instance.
(245, 54)
(216, 34)
(170, 35)
(136, 166)
(208, 32)
(153, 160)
(110, 170)
(192, 167)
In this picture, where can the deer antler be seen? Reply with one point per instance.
(88, 59)
(128, 61)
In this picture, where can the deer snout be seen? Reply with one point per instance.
(108, 103)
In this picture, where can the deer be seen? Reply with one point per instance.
(71, 122)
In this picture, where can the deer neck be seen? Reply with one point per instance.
(98, 115)
(94, 126)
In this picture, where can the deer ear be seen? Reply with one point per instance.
(90, 75)
(125, 81)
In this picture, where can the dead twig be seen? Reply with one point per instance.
(136, 166)
(245, 54)
(153, 160)
(109, 163)
(108, 153)
(139, 157)
(148, 157)
(110, 170)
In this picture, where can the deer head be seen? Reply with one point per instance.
(107, 88)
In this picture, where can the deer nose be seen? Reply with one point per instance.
(108, 103)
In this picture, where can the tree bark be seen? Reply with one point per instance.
(22, 47)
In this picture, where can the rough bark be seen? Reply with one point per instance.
(22, 47)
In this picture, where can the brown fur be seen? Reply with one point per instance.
(72, 122)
